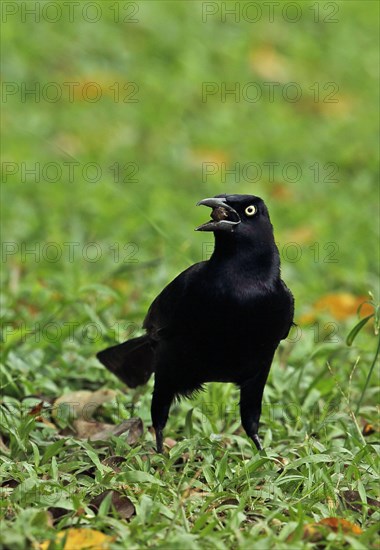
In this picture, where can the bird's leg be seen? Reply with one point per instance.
(161, 401)
(251, 394)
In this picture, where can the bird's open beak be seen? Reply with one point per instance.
(223, 216)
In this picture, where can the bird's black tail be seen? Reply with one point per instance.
(131, 361)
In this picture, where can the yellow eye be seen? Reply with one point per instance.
(251, 210)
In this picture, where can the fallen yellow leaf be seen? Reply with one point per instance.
(78, 538)
(340, 306)
(339, 524)
(314, 531)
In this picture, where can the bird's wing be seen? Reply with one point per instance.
(290, 296)
(162, 313)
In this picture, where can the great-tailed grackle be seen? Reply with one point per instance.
(220, 320)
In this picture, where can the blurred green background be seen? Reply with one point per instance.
(149, 154)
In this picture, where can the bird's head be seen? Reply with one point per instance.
(242, 230)
(240, 214)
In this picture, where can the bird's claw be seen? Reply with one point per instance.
(257, 442)
(159, 441)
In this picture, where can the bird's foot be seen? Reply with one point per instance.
(257, 442)
(160, 441)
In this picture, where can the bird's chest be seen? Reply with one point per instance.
(235, 314)
(221, 335)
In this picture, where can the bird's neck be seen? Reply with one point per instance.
(257, 258)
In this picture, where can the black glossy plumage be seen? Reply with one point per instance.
(220, 320)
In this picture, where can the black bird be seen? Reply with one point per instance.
(220, 320)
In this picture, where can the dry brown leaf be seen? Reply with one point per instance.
(340, 524)
(354, 501)
(169, 442)
(82, 404)
(315, 531)
(86, 430)
(78, 539)
(369, 429)
(36, 410)
(121, 503)
(99, 431)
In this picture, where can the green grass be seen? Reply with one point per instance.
(212, 489)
